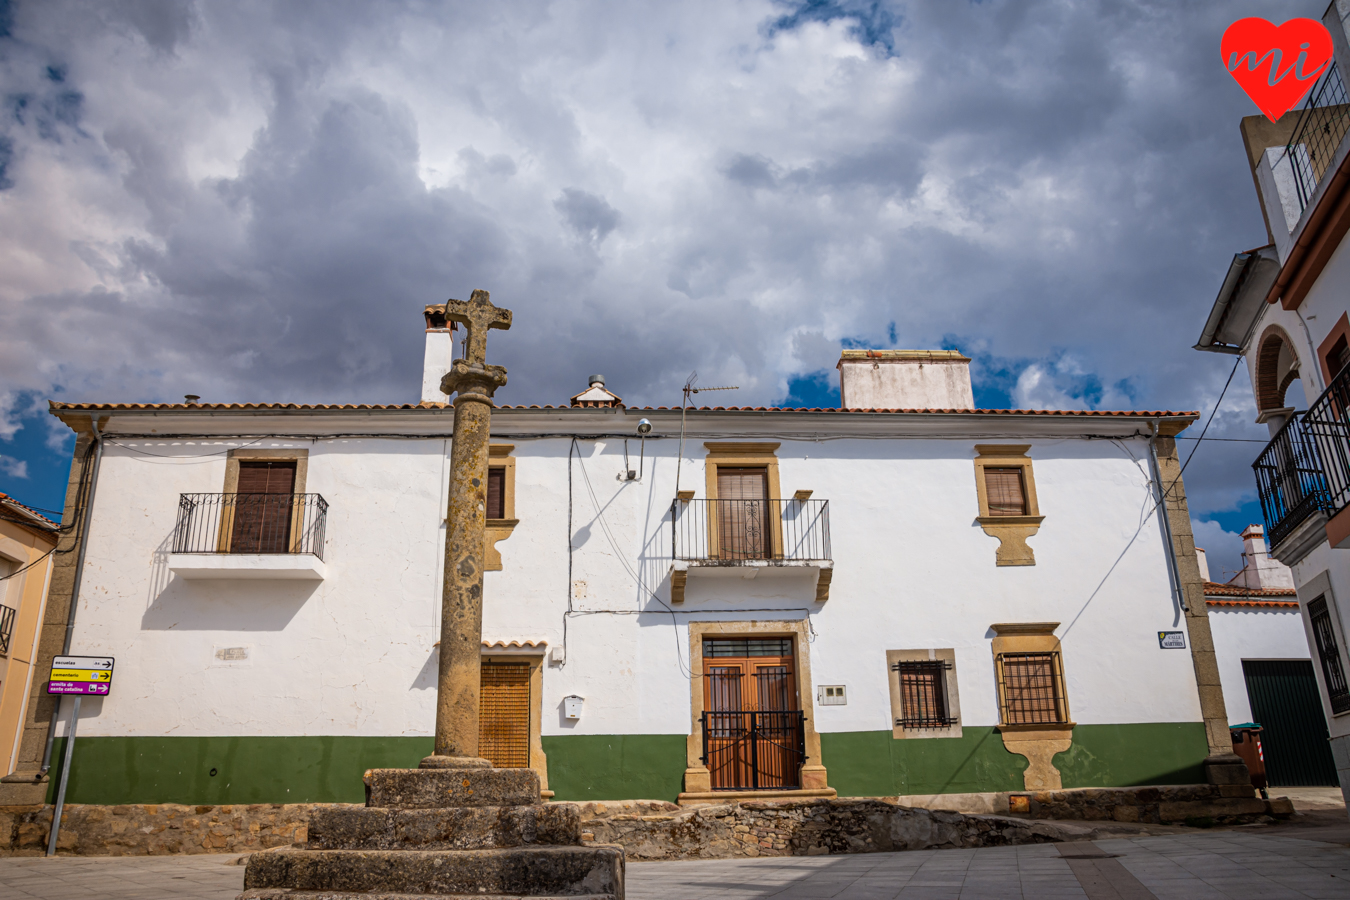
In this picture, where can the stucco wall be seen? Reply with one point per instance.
(353, 657)
(1252, 634)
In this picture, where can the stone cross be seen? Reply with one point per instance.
(465, 536)
(477, 316)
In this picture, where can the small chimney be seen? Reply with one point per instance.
(596, 396)
(1203, 562)
(1260, 571)
(440, 353)
(191, 399)
(905, 379)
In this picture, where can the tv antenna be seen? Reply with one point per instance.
(690, 389)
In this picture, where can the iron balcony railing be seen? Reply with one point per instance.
(748, 750)
(732, 531)
(251, 523)
(7, 614)
(1324, 122)
(1290, 479)
(1327, 423)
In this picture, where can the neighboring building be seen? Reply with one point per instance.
(1285, 308)
(917, 597)
(27, 539)
(1268, 679)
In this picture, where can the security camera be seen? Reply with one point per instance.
(644, 426)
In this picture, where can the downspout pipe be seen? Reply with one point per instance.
(75, 590)
(1173, 570)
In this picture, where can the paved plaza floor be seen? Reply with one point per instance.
(1207, 866)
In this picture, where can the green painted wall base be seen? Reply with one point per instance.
(114, 770)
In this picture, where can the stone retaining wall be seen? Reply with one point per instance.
(153, 830)
(651, 829)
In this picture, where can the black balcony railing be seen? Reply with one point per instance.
(1324, 122)
(732, 531)
(1328, 424)
(251, 523)
(1290, 479)
(7, 614)
(748, 750)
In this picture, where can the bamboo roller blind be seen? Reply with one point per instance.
(504, 715)
(1003, 487)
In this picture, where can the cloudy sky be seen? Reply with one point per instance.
(252, 202)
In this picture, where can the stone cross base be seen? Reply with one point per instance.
(433, 833)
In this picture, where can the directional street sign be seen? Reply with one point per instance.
(81, 675)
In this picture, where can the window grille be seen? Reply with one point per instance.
(1004, 490)
(1031, 686)
(504, 715)
(7, 614)
(923, 694)
(747, 648)
(1338, 693)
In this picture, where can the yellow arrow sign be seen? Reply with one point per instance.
(80, 675)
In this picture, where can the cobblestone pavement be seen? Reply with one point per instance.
(1175, 867)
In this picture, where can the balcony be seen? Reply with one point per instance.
(1324, 122)
(1290, 480)
(272, 536)
(749, 538)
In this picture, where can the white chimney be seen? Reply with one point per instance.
(905, 379)
(439, 354)
(1260, 571)
(1203, 562)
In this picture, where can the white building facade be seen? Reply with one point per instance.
(898, 600)
(1284, 308)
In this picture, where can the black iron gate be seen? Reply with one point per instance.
(751, 751)
(1285, 703)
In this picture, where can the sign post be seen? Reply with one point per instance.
(77, 676)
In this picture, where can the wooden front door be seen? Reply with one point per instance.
(752, 721)
(263, 506)
(743, 513)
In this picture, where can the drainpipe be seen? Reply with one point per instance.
(1173, 574)
(1316, 364)
(75, 590)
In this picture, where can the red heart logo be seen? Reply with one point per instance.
(1276, 66)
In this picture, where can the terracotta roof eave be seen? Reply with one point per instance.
(1214, 589)
(57, 407)
(39, 519)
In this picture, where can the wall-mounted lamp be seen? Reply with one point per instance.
(643, 429)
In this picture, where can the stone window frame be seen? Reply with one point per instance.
(1012, 531)
(742, 454)
(1320, 586)
(1038, 743)
(299, 456)
(535, 660)
(946, 654)
(499, 457)
(697, 778)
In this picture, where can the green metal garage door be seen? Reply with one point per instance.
(1285, 702)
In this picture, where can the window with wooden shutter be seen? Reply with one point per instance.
(504, 714)
(496, 493)
(1329, 654)
(1004, 488)
(263, 506)
(1031, 688)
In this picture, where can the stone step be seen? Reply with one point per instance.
(284, 894)
(463, 828)
(522, 871)
(444, 788)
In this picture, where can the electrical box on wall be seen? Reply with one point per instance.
(832, 695)
(572, 706)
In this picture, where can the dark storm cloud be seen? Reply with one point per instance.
(252, 201)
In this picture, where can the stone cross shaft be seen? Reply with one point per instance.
(465, 539)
